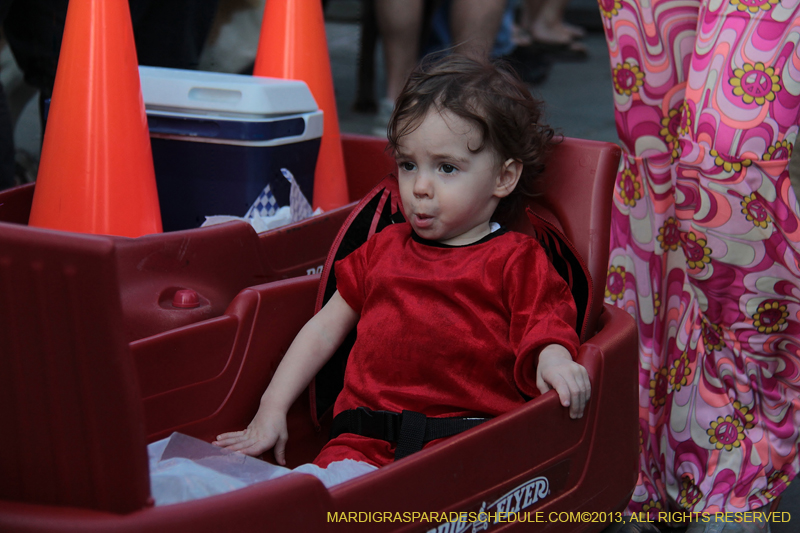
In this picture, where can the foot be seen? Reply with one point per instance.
(520, 36)
(575, 31)
(555, 34)
(558, 42)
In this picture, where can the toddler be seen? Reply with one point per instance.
(458, 320)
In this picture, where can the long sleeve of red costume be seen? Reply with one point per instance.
(542, 312)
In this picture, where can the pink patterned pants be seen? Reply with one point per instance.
(705, 246)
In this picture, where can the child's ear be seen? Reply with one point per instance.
(507, 180)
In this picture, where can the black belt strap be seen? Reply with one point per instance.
(411, 430)
(412, 434)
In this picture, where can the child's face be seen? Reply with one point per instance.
(450, 193)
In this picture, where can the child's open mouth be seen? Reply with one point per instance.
(423, 221)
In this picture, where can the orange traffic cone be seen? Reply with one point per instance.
(96, 171)
(292, 45)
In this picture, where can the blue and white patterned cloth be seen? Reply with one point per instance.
(264, 206)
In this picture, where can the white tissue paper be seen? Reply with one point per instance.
(265, 213)
(184, 468)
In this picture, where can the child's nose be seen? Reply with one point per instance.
(423, 185)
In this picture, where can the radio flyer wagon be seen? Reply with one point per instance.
(108, 343)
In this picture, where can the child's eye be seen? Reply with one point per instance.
(406, 166)
(447, 168)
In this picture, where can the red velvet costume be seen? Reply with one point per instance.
(444, 330)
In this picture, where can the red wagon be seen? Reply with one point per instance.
(96, 361)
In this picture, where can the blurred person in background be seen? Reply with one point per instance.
(168, 34)
(473, 27)
(32, 30)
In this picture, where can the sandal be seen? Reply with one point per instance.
(577, 32)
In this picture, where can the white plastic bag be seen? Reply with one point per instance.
(184, 468)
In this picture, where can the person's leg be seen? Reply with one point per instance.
(739, 226)
(171, 34)
(34, 29)
(646, 264)
(474, 25)
(528, 11)
(400, 26)
(706, 248)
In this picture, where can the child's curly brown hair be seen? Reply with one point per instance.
(489, 94)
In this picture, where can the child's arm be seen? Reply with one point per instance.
(310, 350)
(556, 370)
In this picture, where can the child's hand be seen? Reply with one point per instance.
(311, 349)
(267, 430)
(557, 370)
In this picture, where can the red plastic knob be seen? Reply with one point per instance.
(186, 299)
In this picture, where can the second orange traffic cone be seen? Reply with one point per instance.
(292, 45)
(96, 170)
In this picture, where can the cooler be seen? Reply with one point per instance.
(219, 139)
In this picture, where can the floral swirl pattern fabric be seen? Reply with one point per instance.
(705, 250)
